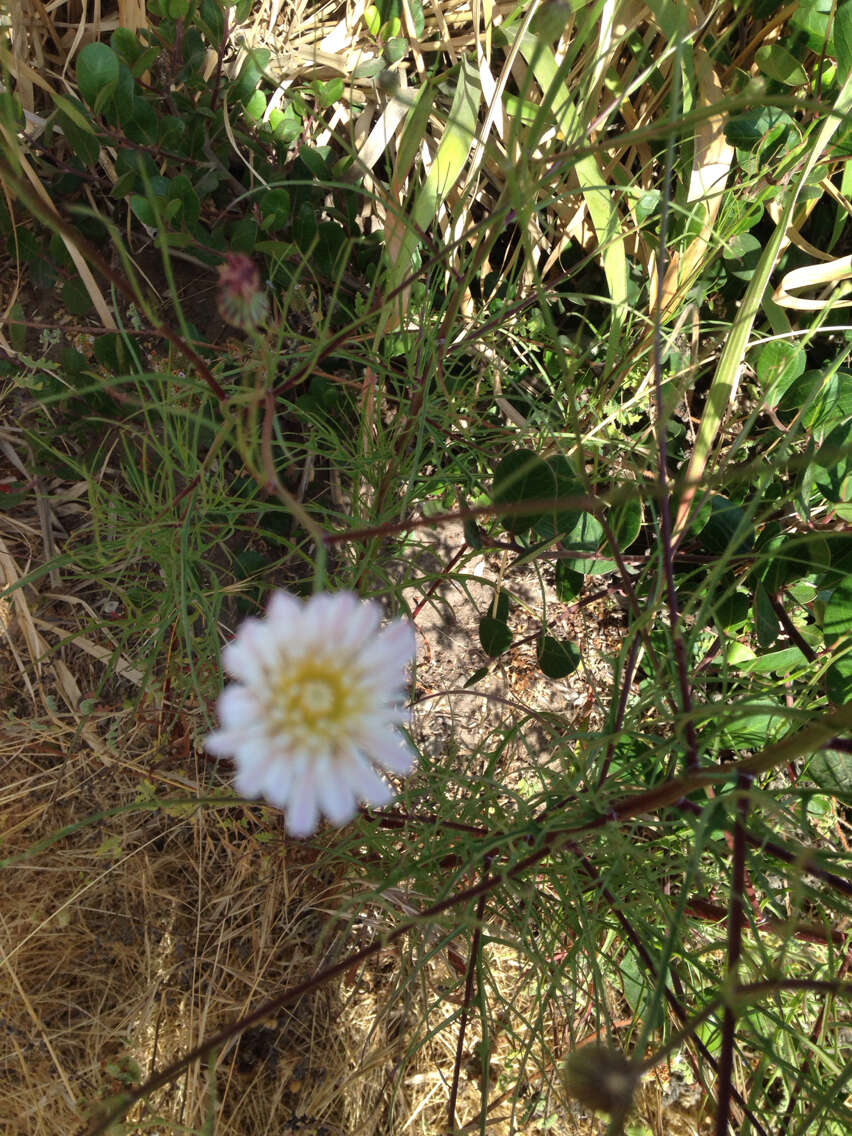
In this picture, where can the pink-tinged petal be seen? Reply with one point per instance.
(255, 751)
(356, 630)
(303, 808)
(222, 743)
(229, 743)
(278, 782)
(238, 708)
(250, 783)
(390, 653)
(388, 752)
(283, 612)
(242, 662)
(337, 800)
(365, 783)
(257, 638)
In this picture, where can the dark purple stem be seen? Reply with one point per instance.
(736, 917)
(662, 448)
(793, 633)
(468, 996)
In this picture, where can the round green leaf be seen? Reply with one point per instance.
(97, 73)
(791, 558)
(586, 536)
(731, 612)
(373, 19)
(839, 682)
(626, 522)
(569, 582)
(418, 19)
(251, 73)
(831, 769)
(724, 521)
(777, 364)
(827, 400)
(558, 657)
(142, 208)
(756, 125)
(521, 477)
(811, 19)
(843, 37)
(837, 618)
(833, 465)
(255, 106)
(564, 484)
(741, 255)
(75, 297)
(395, 48)
(501, 611)
(754, 727)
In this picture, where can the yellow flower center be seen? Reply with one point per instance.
(315, 705)
(318, 697)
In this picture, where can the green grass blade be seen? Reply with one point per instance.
(725, 380)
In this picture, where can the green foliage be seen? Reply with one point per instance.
(532, 389)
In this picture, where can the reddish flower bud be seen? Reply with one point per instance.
(242, 300)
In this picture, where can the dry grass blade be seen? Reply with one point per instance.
(726, 378)
(710, 170)
(813, 276)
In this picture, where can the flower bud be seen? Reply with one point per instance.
(242, 301)
(600, 1078)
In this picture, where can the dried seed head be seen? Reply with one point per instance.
(600, 1078)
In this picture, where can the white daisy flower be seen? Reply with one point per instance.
(314, 707)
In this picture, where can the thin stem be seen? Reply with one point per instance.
(662, 448)
(468, 995)
(736, 919)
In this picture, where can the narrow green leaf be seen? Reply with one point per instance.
(843, 36)
(598, 197)
(730, 363)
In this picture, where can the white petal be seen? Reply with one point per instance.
(242, 653)
(358, 628)
(238, 708)
(283, 612)
(366, 783)
(337, 800)
(390, 653)
(242, 662)
(329, 618)
(222, 743)
(387, 751)
(303, 809)
(385, 718)
(254, 751)
(250, 783)
(278, 777)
